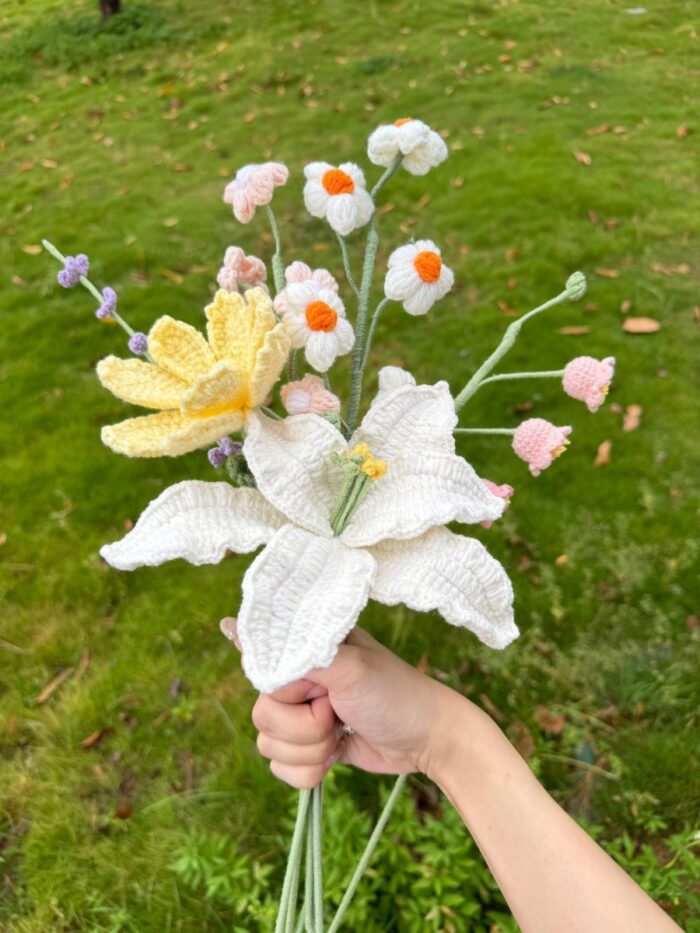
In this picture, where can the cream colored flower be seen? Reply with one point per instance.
(421, 147)
(305, 591)
(202, 389)
(417, 276)
(338, 194)
(315, 319)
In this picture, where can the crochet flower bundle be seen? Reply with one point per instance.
(341, 510)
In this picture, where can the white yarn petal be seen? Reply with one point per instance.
(321, 350)
(401, 281)
(421, 300)
(345, 336)
(290, 460)
(411, 135)
(455, 575)
(301, 597)
(419, 492)
(404, 254)
(411, 418)
(315, 198)
(364, 205)
(393, 377)
(383, 145)
(341, 213)
(316, 170)
(197, 521)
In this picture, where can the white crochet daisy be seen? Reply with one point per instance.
(417, 276)
(421, 147)
(304, 592)
(315, 319)
(338, 194)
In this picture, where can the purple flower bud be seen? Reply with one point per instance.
(217, 457)
(73, 268)
(109, 304)
(230, 447)
(138, 343)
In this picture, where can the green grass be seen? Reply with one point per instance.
(106, 133)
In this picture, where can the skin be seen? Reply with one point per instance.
(553, 875)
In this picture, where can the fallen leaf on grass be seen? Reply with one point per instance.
(633, 417)
(682, 268)
(171, 222)
(640, 325)
(123, 810)
(3, 537)
(608, 273)
(575, 330)
(32, 249)
(172, 276)
(562, 560)
(549, 721)
(95, 738)
(682, 131)
(582, 157)
(602, 458)
(625, 305)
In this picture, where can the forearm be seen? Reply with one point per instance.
(553, 875)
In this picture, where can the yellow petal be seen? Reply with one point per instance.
(269, 364)
(180, 349)
(222, 389)
(228, 328)
(262, 320)
(168, 433)
(140, 383)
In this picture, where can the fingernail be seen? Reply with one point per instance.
(229, 628)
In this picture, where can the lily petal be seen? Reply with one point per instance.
(301, 597)
(198, 522)
(140, 383)
(222, 389)
(418, 418)
(290, 461)
(168, 433)
(269, 362)
(228, 325)
(418, 493)
(180, 349)
(455, 575)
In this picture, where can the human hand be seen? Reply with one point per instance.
(396, 714)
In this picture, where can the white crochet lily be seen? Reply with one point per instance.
(304, 592)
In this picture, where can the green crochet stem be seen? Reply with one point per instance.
(86, 283)
(287, 905)
(277, 264)
(504, 346)
(358, 356)
(509, 431)
(366, 856)
(346, 265)
(372, 327)
(316, 856)
(503, 377)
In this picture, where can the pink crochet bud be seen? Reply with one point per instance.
(253, 187)
(308, 395)
(502, 492)
(239, 269)
(300, 272)
(539, 442)
(588, 379)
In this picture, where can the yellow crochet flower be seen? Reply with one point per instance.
(202, 389)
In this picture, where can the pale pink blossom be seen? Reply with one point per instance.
(308, 395)
(253, 187)
(539, 442)
(504, 491)
(300, 272)
(588, 379)
(239, 269)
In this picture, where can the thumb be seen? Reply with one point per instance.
(344, 670)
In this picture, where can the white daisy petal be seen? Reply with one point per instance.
(345, 336)
(290, 461)
(321, 350)
(411, 418)
(316, 170)
(452, 574)
(403, 254)
(341, 213)
(301, 597)
(417, 493)
(411, 135)
(365, 207)
(198, 522)
(421, 300)
(383, 145)
(315, 198)
(401, 282)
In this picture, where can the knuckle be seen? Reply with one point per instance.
(262, 744)
(260, 714)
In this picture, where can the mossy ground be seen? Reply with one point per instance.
(117, 142)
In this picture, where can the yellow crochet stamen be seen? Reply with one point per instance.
(370, 466)
(560, 450)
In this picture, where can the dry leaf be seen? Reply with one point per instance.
(172, 276)
(602, 458)
(633, 417)
(640, 325)
(681, 269)
(49, 163)
(522, 739)
(582, 157)
(625, 305)
(3, 537)
(608, 273)
(575, 330)
(171, 222)
(562, 560)
(682, 131)
(94, 738)
(548, 721)
(32, 249)
(598, 130)
(457, 182)
(53, 685)
(123, 810)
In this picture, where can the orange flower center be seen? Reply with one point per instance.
(320, 316)
(403, 120)
(336, 181)
(428, 265)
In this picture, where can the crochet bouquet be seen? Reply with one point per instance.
(340, 510)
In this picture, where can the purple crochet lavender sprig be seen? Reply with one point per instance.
(227, 448)
(138, 344)
(109, 304)
(74, 267)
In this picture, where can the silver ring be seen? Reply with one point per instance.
(347, 730)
